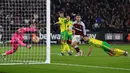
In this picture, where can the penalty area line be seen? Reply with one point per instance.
(89, 66)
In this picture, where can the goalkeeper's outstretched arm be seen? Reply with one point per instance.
(24, 44)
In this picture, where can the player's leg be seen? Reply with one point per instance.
(119, 52)
(113, 52)
(13, 50)
(69, 39)
(110, 53)
(63, 43)
(107, 48)
(67, 47)
(75, 43)
(69, 42)
(62, 47)
(75, 46)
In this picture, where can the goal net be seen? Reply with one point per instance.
(24, 31)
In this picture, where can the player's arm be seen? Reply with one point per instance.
(34, 30)
(30, 29)
(90, 50)
(84, 28)
(71, 28)
(23, 44)
(58, 22)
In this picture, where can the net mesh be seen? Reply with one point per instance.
(15, 14)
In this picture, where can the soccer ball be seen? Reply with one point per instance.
(35, 39)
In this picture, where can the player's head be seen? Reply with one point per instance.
(61, 14)
(68, 17)
(78, 17)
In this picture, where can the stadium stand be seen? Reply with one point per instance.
(111, 15)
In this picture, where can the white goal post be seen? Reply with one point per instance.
(17, 14)
(48, 32)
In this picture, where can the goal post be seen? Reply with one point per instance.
(18, 14)
(48, 32)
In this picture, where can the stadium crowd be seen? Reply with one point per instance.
(109, 15)
(20, 13)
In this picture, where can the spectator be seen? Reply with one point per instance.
(89, 9)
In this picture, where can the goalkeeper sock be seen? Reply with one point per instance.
(119, 52)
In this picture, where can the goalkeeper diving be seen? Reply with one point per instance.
(17, 40)
(105, 46)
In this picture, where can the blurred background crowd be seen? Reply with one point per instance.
(98, 15)
(21, 13)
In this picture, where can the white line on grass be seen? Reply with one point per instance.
(73, 65)
(89, 66)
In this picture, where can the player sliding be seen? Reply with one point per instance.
(17, 39)
(79, 31)
(105, 46)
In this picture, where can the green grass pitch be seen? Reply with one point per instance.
(97, 62)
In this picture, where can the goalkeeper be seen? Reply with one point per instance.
(105, 46)
(64, 33)
(17, 39)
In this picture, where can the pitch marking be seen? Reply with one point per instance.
(89, 66)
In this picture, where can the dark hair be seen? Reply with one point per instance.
(68, 15)
(61, 12)
(78, 15)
